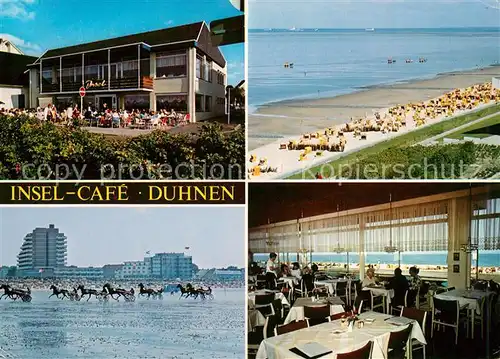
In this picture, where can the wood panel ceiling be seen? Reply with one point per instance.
(276, 202)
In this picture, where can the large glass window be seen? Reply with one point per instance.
(208, 71)
(172, 102)
(199, 103)
(199, 61)
(129, 69)
(208, 103)
(140, 102)
(171, 65)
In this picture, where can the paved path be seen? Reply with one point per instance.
(464, 126)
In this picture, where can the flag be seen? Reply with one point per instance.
(40, 270)
(186, 248)
(148, 252)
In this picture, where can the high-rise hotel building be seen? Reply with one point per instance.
(42, 251)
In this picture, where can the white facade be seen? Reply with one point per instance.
(9, 95)
(134, 269)
(7, 46)
(78, 273)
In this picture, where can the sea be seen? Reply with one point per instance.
(486, 258)
(169, 328)
(330, 62)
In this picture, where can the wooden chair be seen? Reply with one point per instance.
(361, 353)
(341, 290)
(420, 316)
(256, 337)
(447, 314)
(399, 342)
(337, 316)
(399, 308)
(316, 315)
(377, 301)
(290, 327)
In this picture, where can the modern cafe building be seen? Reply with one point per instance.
(174, 68)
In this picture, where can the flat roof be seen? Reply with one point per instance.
(13, 67)
(189, 33)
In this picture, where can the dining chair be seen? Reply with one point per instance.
(290, 327)
(337, 316)
(316, 315)
(364, 352)
(341, 290)
(447, 313)
(420, 316)
(264, 304)
(355, 289)
(479, 318)
(450, 289)
(377, 301)
(399, 343)
(254, 338)
(399, 308)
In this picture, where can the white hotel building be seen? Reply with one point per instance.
(174, 68)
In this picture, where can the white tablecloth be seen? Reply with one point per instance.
(387, 293)
(297, 311)
(279, 347)
(277, 296)
(331, 284)
(289, 280)
(255, 319)
(471, 298)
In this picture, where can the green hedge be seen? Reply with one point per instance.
(452, 161)
(25, 141)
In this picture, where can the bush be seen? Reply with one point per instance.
(33, 147)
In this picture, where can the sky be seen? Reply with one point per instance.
(38, 25)
(361, 14)
(98, 236)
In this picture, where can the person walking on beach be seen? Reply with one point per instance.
(271, 271)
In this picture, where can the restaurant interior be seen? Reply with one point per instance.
(374, 270)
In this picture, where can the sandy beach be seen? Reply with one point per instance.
(284, 119)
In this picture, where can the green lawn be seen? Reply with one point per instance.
(407, 139)
(461, 133)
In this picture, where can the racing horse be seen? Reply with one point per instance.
(14, 293)
(73, 295)
(185, 291)
(56, 291)
(129, 295)
(207, 293)
(89, 292)
(150, 292)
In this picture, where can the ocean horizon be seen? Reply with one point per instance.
(486, 258)
(334, 62)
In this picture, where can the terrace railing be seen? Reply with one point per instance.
(145, 82)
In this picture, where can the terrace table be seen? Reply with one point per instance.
(290, 281)
(297, 310)
(381, 291)
(277, 296)
(278, 347)
(469, 298)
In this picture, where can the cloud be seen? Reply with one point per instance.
(18, 9)
(23, 45)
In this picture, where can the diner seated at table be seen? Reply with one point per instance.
(368, 281)
(400, 285)
(295, 271)
(285, 270)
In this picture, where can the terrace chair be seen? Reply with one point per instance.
(447, 313)
(399, 342)
(355, 288)
(422, 295)
(261, 281)
(420, 316)
(337, 316)
(316, 315)
(264, 304)
(290, 327)
(341, 290)
(480, 318)
(364, 352)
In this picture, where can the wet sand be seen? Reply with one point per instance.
(293, 117)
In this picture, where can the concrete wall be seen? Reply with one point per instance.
(496, 82)
(173, 86)
(9, 96)
(458, 235)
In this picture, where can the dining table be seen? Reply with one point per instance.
(331, 285)
(335, 337)
(277, 296)
(297, 310)
(378, 291)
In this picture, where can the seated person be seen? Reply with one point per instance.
(399, 284)
(415, 284)
(364, 295)
(295, 271)
(285, 270)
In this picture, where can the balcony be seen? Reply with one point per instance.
(132, 83)
(146, 82)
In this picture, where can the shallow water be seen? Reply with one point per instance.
(168, 328)
(334, 62)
